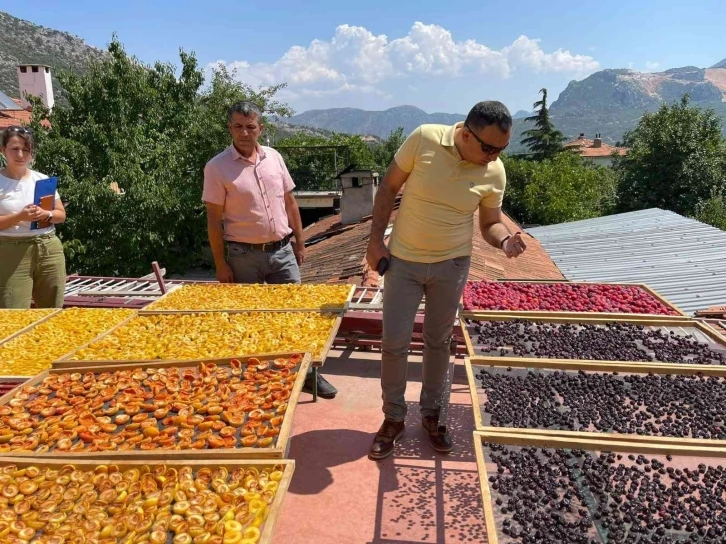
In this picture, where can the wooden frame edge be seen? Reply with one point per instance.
(608, 437)
(98, 337)
(643, 286)
(320, 361)
(282, 489)
(544, 441)
(277, 451)
(601, 366)
(474, 392)
(283, 438)
(149, 310)
(661, 298)
(486, 495)
(29, 327)
(62, 367)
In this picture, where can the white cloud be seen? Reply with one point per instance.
(356, 60)
(651, 66)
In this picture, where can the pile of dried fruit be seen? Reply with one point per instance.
(607, 342)
(240, 405)
(35, 350)
(567, 297)
(149, 504)
(212, 336)
(582, 497)
(254, 297)
(12, 321)
(678, 406)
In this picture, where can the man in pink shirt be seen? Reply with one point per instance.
(250, 206)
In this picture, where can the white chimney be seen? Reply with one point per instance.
(34, 80)
(359, 192)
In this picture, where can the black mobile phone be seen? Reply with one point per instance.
(382, 266)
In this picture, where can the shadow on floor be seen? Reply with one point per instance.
(415, 443)
(333, 447)
(425, 496)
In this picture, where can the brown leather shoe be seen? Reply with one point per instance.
(439, 437)
(386, 438)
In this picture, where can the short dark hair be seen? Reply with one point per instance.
(490, 112)
(246, 108)
(23, 133)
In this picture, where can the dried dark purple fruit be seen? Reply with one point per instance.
(675, 502)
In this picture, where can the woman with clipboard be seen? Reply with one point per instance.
(32, 264)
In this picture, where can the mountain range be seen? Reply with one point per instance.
(23, 42)
(609, 102)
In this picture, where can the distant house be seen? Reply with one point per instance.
(595, 150)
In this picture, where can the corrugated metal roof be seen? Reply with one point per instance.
(683, 259)
(7, 103)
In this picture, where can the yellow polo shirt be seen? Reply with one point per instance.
(442, 192)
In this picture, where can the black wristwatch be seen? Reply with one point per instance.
(507, 237)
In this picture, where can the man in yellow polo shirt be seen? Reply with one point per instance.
(449, 172)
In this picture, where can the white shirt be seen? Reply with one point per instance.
(14, 196)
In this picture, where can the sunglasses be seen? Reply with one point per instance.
(485, 147)
(19, 130)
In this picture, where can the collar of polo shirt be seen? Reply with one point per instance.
(447, 138)
(236, 154)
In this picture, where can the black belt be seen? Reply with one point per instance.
(267, 246)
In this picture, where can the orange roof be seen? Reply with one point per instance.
(8, 118)
(488, 263)
(336, 253)
(586, 148)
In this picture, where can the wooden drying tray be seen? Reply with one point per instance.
(610, 315)
(585, 435)
(149, 310)
(30, 326)
(5, 379)
(656, 367)
(267, 527)
(515, 439)
(65, 362)
(278, 451)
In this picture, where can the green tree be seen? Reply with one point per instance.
(313, 162)
(712, 212)
(675, 160)
(563, 188)
(384, 152)
(544, 141)
(150, 131)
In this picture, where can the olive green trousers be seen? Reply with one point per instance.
(32, 268)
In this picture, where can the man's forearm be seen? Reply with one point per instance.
(216, 242)
(495, 233)
(382, 209)
(295, 221)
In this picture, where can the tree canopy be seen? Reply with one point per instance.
(150, 130)
(676, 160)
(544, 141)
(563, 188)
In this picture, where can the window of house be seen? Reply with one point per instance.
(23, 69)
(35, 69)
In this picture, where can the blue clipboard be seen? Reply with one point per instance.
(43, 188)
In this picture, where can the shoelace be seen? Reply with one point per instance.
(388, 431)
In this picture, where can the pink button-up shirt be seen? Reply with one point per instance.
(253, 194)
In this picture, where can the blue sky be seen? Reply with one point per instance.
(377, 54)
